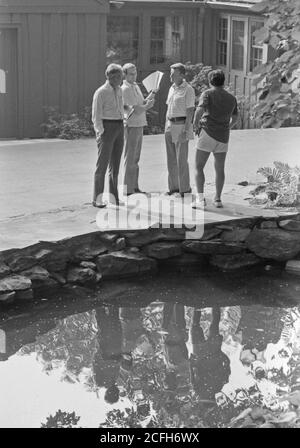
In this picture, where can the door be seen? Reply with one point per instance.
(8, 83)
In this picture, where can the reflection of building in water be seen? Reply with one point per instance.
(13, 336)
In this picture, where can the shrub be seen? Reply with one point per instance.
(68, 126)
(280, 188)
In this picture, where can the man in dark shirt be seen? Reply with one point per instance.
(215, 115)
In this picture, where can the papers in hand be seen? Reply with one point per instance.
(152, 81)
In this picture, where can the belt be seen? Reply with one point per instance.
(111, 121)
(175, 119)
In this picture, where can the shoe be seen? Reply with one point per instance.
(137, 190)
(186, 192)
(218, 203)
(199, 204)
(129, 194)
(170, 193)
(99, 204)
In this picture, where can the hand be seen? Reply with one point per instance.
(150, 103)
(182, 136)
(98, 136)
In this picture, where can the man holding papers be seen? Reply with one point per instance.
(179, 130)
(134, 125)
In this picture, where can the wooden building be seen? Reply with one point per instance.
(53, 53)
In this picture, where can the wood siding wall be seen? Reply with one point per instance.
(61, 59)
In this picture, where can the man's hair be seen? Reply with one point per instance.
(180, 67)
(112, 69)
(127, 67)
(216, 78)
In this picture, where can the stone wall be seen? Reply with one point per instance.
(92, 258)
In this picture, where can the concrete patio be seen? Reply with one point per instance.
(46, 187)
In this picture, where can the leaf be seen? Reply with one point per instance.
(242, 415)
(296, 35)
(260, 7)
(288, 417)
(294, 398)
(257, 413)
(261, 35)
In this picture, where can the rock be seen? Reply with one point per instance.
(293, 266)
(51, 256)
(4, 270)
(8, 297)
(14, 283)
(162, 251)
(119, 244)
(269, 225)
(212, 247)
(275, 244)
(40, 278)
(210, 233)
(58, 277)
(290, 224)
(19, 262)
(88, 264)
(85, 247)
(81, 276)
(235, 235)
(124, 263)
(142, 238)
(24, 295)
(36, 273)
(234, 261)
(108, 237)
(184, 262)
(243, 183)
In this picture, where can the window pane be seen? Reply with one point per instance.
(122, 39)
(238, 34)
(256, 50)
(222, 36)
(166, 37)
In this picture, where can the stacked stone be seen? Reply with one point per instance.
(87, 259)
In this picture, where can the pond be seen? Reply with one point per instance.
(177, 350)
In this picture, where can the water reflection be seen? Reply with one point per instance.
(165, 365)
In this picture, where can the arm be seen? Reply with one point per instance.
(234, 117)
(97, 114)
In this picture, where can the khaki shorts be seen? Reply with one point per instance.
(209, 144)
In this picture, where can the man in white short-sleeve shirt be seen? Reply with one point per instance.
(179, 130)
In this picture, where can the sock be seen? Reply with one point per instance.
(200, 196)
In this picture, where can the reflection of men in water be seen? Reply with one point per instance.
(176, 353)
(109, 355)
(209, 366)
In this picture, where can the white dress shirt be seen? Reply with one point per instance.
(107, 104)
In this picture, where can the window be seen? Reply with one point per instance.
(157, 40)
(256, 51)
(122, 39)
(166, 36)
(238, 45)
(222, 39)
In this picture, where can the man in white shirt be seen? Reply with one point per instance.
(179, 130)
(134, 126)
(107, 117)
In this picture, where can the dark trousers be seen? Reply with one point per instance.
(110, 147)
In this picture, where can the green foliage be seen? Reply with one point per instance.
(277, 81)
(61, 420)
(280, 188)
(197, 76)
(68, 126)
